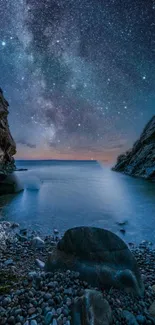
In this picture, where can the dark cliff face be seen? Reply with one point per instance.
(140, 160)
(7, 144)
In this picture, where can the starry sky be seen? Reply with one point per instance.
(79, 75)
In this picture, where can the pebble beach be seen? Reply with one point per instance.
(29, 296)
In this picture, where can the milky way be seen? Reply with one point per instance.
(79, 75)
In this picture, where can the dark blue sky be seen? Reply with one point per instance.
(79, 75)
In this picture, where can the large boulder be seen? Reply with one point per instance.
(91, 308)
(101, 257)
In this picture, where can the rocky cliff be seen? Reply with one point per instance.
(7, 144)
(140, 160)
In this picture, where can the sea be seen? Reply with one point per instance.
(65, 194)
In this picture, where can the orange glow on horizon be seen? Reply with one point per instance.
(44, 154)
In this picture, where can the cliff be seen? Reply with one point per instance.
(7, 144)
(140, 160)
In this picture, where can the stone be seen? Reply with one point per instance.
(49, 316)
(40, 263)
(37, 242)
(14, 225)
(139, 161)
(91, 308)
(9, 262)
(129, 317)
(141, 319)
(54, 322)
(6, 301)
(100, 256)
(152, 309)
(31, 311)
(33, 322)
(23, 232)
(153, 288)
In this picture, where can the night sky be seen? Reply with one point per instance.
(79, 75)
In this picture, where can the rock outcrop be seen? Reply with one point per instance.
(7, 144)
(140, 160)
(100, 256)
(7, 150)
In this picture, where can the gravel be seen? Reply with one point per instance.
(29, 296)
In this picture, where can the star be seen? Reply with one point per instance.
(75, 75)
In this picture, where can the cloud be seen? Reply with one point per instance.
(27, 144)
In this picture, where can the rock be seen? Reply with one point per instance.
(40, 264)
(49, 316)
(7, 145)
(21, 238)
(54, 322)
(153, 288)
(14, 225)
(32, 275)
(140, 161)
(141, 319)
(33, 322)
(9, 262)
(23, 232)
(31, 311)
(123, 231)
(129, 317)
(91, 308)
(37, 242)
(152, 310)
(11, 320)
(9, 183)
(101, 258)
(122, 223)
(6, 301)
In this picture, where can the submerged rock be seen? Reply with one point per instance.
(101, 258)
(91, 308)
(140, 160)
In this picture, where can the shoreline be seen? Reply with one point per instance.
(28, 295)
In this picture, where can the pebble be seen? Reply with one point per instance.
(141, 319)
(37, 242)
(33, 322)
(129, 317)
(9, 262)
(49, 316)
(31, 311)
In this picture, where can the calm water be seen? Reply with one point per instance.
(62, 194)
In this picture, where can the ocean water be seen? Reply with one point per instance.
(65, 194)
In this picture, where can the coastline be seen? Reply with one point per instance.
(28, 294)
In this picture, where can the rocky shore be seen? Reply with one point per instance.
(140, 160)
(31, 296)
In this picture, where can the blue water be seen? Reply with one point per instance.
(64, 194)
